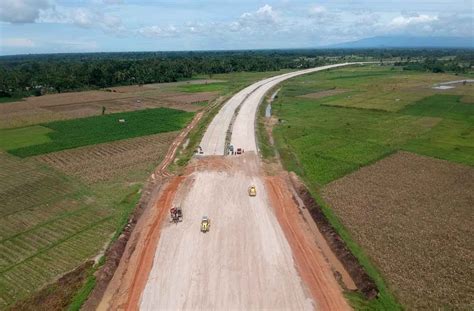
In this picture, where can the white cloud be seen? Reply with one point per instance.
(17, 42)
(410, 20)
(156, 31)
(263, 16)
(317, 10)
(22, 11)
(85, 18)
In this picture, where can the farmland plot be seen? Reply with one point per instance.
(46, 226)
(94, 130)
(413, 216)
(108, 161)
(65, 106)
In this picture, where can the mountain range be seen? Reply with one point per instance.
(407, 42)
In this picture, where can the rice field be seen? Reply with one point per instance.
(323, 139)
(99, 129)
(46, 226)
(412, 216)
(404, 215)
(103, 162)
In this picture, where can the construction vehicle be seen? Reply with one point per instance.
(176, 214)
(205, 224)
(199, 150)
(252, 191)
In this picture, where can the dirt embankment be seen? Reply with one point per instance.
(350, 274)
(123, 289)
(361, 279)
(313, 264)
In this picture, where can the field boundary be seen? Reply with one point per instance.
(363, 281)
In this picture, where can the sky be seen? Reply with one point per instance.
(63, 26)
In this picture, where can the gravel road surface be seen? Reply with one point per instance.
(244, 262)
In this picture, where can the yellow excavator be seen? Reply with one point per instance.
(205, 224)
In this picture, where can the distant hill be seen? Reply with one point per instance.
(407, 42)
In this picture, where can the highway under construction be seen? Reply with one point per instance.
(256, 254)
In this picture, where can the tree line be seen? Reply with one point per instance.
(23, 75)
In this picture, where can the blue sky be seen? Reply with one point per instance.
(52, 26)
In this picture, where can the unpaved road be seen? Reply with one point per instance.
(257, 255)
(245, 261)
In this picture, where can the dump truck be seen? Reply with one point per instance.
(205, 224)
(252, 191)
(176, 214)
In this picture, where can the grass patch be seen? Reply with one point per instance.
(209, 87)
(266, 150)
(24, 137)
(4, 100)
(444, 106)
(450, 140)
(100, 129)
(83, 293)
(201, 104)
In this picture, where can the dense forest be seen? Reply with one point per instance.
(23, 75)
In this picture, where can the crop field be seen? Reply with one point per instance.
(46, 226)
(58, 209)
(65, 106)
(323, 141)
(404, 214)
(108, 161)
(210, 87)
(94, 130)
(373, 87)
(413, 216)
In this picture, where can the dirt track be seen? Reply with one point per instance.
(245, 261)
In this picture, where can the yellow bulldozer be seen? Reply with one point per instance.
(252, 191)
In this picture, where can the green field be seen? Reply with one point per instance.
(10, 99)
(209, 87)
(94, 130)
(325, 139)
(381, 111)
(46, 226)
(24, 136)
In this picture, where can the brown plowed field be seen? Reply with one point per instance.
(105, 161)
(414, 217)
